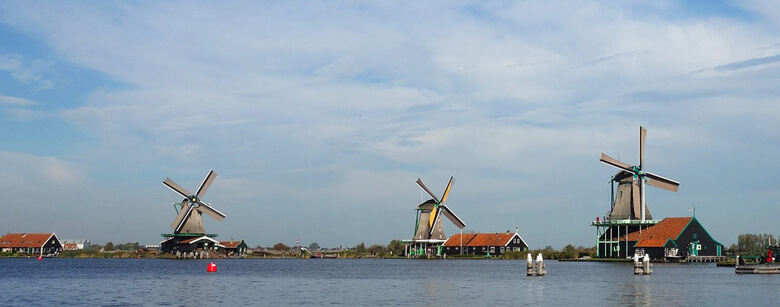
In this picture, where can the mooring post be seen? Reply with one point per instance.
(530, 266)
(647, 265)
(540, 270)
(637, 265)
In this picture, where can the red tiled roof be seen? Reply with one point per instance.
(69, 246)
(24, 239)
(658, 234)
(480, 239)
(230, 244)
(455, 239)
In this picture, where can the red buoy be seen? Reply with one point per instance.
(212, 268)
(40, 257)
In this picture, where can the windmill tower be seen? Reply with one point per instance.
(188, 224)
(428, 229)
(628, 211)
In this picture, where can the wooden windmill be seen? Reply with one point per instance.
(629, 203)
(429, 225)
(189, 218)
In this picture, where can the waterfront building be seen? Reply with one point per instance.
(483, 244)
(674, 238)
(31, 243)
(75, 244)
(234, 247)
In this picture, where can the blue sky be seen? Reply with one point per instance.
(319, 117)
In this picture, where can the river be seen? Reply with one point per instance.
(372, 282)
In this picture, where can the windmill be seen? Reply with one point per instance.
(429, 225)
(189, 218)
(630, 202)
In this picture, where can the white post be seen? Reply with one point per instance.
(540, 271)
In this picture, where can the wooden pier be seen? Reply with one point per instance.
(757, 269)
(706, 258)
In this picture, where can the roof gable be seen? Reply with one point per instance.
(25, 239)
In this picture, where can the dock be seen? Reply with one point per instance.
(706, 258)
(757, 269)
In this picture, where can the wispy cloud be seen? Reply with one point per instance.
(26, 72)
(15, 101)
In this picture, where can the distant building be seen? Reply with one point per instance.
(78, 244)
(234, 247)
(671, 238)
(483, 243)
(31, 243)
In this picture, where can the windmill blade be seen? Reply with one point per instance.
(420, 183)
(184, 218)
(447, 190)
(433, 219)
(636, 199)
(642, 136)
(181, 214)
(208, 209)
(615, 163)
(206, 183)
(433, 216)
(452, 217)
(176, 188)
(662, 183)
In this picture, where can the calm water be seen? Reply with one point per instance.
(373, 282)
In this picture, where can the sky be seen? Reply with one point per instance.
(318, 117)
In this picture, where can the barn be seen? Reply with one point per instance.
(482, 244)
(675, 237)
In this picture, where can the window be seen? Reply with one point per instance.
(694, 236)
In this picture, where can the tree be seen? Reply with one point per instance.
(281, 247)
(753, 244)
(109, 246)
(569, 252)
(314, 246)
(377, 249)
(360, 248)
(396, 247)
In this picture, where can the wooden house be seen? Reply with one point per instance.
(31, 243)
(673, 238)
(482, 244)
(194, 246)
(234, 247)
